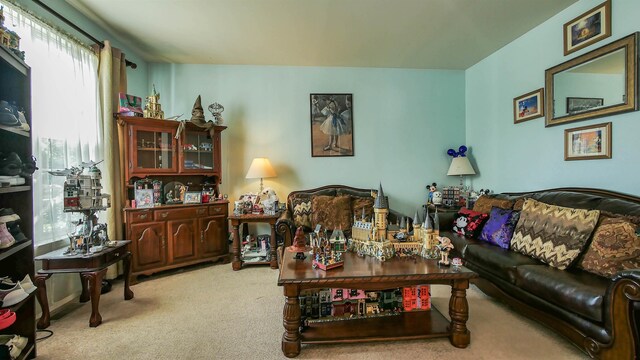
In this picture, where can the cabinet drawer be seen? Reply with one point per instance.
(218, 209)
(140, 216)
(175, 214)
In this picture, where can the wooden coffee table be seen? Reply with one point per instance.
(367, 273)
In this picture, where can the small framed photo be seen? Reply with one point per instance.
(528, 106)
(193, 197)
(580, 104)
(144, 198)
(588, 28)
(588, 142)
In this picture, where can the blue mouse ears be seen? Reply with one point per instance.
(460, 153)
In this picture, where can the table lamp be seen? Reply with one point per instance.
(461, 166)
(260, 168)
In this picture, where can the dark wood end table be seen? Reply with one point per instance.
(368, 273)
(236, 221)
(91, 268)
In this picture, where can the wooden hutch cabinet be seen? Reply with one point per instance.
(176, 235)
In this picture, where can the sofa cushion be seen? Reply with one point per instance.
(499, 228)
(553, 234)
(486, 202)
(469, 222)
(577, 291)
(496, 260)
(517, 205)
(331, 211)
(301, 206)
(358, 203)
(459, 242)
(615, 247)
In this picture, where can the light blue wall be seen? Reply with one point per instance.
(137, 79)
(404, 121)
(528, 156)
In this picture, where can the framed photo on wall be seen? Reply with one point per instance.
(588, 28)
(580, 104)
(588, 142)
(331, 124)
(528, 106)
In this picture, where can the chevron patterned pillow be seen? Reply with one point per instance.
(553, 234)
(302, 211)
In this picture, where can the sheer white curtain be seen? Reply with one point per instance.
(64, 117)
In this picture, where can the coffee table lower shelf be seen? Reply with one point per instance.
(405, 326)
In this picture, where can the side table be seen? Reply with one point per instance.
(236, 221)
(91, 267)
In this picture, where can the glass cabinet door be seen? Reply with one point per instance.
(153, 151)
(197, 152)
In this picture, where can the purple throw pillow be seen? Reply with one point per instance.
(499, 229)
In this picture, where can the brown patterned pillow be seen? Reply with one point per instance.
(486, 202)
(301, 211)
(358, 203)
(517, 206)
(553, 234)
(331, 211)
(615, 247)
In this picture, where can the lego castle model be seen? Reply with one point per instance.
(375, 238)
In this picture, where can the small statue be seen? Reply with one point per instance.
(299, 244)
(445, 246)
(216, 110)
(431, 188)
(197, 114)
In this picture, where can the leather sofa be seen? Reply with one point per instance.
(287, 223)
(599, 315)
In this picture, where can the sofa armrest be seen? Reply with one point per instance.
(285, 227)
(621, 300)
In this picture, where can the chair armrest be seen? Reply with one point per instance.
(621, 300)
(285, 228)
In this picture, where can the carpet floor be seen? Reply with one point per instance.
(215, 313)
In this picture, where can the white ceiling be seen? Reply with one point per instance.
(422, 34)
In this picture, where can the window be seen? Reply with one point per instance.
(64, 101)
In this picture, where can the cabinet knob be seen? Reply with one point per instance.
(164, 214)
(201, 236)
(143, 216)
(201, 211)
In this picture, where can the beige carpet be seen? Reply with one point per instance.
(215, 313)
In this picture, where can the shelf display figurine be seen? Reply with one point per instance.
(456, 262)
(299, 245)
(269, 201)
(153, 109)
(445, 246)
(216, 110)
(431, 189)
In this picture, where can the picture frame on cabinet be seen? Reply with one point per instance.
(588, 142)
(588, 28)
(528, 106)
(193, 197)
(144, 198)
(331, 123)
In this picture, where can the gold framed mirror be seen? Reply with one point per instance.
(599, 83)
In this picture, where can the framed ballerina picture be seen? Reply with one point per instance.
(331, 124)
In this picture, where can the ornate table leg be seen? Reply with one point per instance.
(291, 322)
(273, 242)
(459, 313)
(236, 263)
(126, 264)
(84, 296)
(41, 294)
(95, 286)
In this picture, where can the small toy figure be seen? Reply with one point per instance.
(299, 245)
(431, 188)
(437, 198)
(444, 245)
(456, 262)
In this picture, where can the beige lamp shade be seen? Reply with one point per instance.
(260, 168)
(461, 166)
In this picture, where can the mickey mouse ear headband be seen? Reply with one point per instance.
(460, 153)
